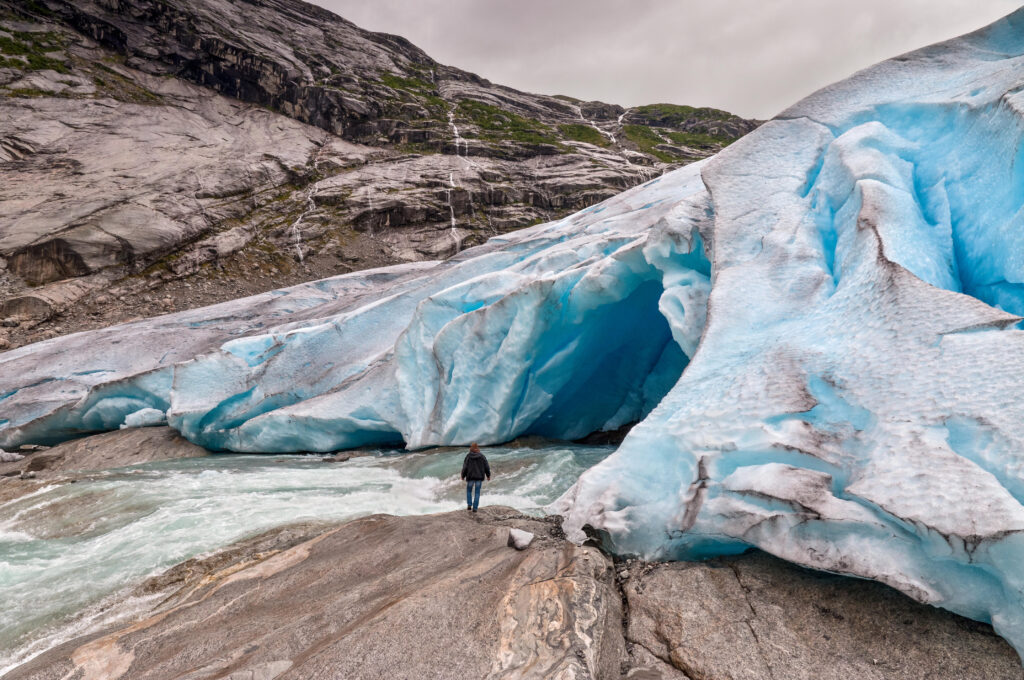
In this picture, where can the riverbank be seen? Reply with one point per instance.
(445, 596)
(74, 543)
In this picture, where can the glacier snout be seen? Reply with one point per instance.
(559, 330)
(855, 404)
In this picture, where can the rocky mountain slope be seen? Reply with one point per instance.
(156, 156)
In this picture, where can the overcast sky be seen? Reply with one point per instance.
(751, 57)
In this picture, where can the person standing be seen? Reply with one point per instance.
(474, 469)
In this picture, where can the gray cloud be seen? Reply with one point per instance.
(752, 57)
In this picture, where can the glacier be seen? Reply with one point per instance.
(556, 330)
(817, 333)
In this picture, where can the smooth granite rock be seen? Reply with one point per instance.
(444, 596)
(379, 597)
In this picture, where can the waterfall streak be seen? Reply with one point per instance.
(295, 230)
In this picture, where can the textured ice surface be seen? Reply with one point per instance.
(855, 404)
(842, 288)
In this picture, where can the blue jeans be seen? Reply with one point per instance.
(473, 493)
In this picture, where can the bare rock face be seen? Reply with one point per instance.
(427, 207)
(137, 181)
(162, 155)
(759, 618)
(108, 450)
(99, 186)
(382, 597)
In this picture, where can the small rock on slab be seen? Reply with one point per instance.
(519, 539)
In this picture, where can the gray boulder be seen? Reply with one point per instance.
(519, 539)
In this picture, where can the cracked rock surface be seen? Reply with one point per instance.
(755, 617)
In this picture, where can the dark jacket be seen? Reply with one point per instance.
(475, 467)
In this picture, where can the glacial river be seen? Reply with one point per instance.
(69, 551)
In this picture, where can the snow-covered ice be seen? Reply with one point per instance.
(9, 456)
(817, 330)
(144, 417)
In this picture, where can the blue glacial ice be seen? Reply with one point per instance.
(817, 332)
(557, 330)
(855, 404)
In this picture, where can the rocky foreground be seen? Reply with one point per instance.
(446, 596)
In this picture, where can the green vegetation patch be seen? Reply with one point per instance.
(423, 91)
(25, 50)
(646, 139)
(396, 82)
(497, 124)
(673, 115)
(425, 69)
(438, 107)
(112, 84)
(12, 62)
(699, 139)
(38, 8)
(32, 92)
(579, 132)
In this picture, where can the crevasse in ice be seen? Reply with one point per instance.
(817, 331)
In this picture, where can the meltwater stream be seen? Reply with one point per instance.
(73, 548)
